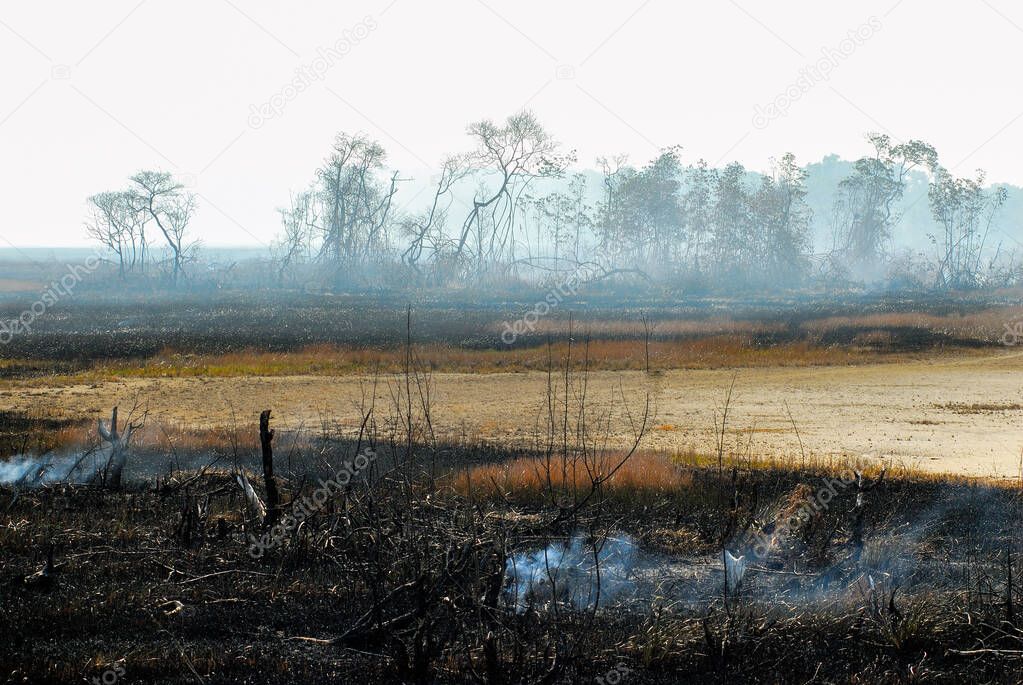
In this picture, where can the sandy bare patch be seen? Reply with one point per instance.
(912, 412)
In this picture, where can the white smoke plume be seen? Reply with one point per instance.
(579, 573)
(30, 471)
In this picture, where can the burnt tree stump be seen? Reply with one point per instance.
(273, 499)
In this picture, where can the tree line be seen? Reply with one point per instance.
(512, 210)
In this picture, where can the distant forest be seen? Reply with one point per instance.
(516, 209)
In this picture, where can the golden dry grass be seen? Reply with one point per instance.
(652, 472)
(984, 325)
(645, 471)
(608, 355)
(159, 437)
(895, 411)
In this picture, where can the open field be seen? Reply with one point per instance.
(923, 381)
(956, 414)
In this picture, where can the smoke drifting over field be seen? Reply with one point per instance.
(32, 471)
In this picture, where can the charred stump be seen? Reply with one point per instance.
(111, 474)
(863, 488)
(273, 499)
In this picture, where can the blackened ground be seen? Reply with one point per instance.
(91, 326)
(130, 590)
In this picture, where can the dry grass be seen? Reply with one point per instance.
(987, 325)
(525, 477)
(979, 407)
(984, 325)
(704, 343)
(676, 343)
(39, 434)
(650, 474)
(610, 355)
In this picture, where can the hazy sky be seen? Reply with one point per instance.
(94, 91)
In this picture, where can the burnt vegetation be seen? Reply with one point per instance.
(102, 329)
(383, 551)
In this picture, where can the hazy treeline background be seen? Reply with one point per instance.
(517, 208)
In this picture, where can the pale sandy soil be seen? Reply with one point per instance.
(960, 416)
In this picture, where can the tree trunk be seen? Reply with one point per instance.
(266, 436)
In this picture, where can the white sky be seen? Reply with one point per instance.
(94, 91)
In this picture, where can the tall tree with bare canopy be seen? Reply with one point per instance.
(508, 157)
(170, 207)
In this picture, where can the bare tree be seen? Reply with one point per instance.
(166, 202)
(107, 224)
(553, 215)
(179, 212)
(294, 244)
(355, 203)
(608, 227)
(514, 153)
(119, 446)
(965, 211)
(425, 231)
